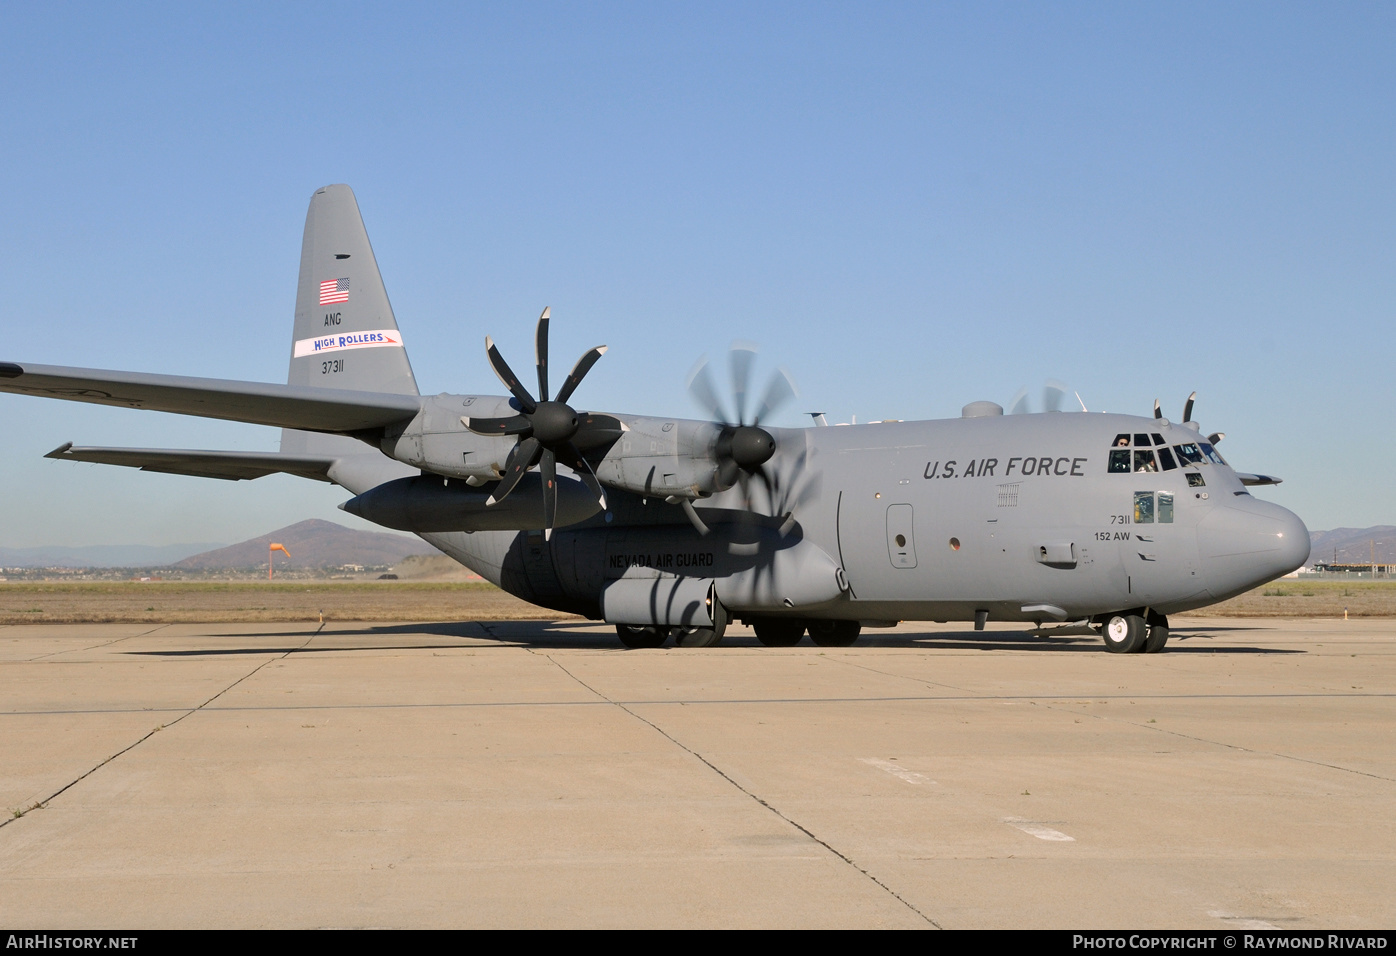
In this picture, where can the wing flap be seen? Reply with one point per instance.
(228, 465)
(259, 403)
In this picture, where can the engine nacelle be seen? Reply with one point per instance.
(430, 503)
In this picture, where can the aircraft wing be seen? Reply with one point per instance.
(260, 403)
(1250, 480)
(230, 465)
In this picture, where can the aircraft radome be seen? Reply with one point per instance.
(672, 528)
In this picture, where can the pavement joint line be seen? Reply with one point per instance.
(950, 699)
(715, 769)
(915, 680)
(115, 640)
(43, 804)
(1229, 746)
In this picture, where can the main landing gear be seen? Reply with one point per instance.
(770, 631)
(786, 632)
(1135, 632)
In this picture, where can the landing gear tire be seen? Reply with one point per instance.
(696, 636)
(1158, 634)
(779, 632)
(834, 633)
(1124, 633)
(632, 636)
(704, 636)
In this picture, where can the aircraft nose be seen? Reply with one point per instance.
(1246, 542)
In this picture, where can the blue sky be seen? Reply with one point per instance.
(910, 207)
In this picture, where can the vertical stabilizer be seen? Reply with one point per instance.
(345, 333)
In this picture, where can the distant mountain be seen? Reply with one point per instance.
(101, 555)
(1354, 545)
(313, 544)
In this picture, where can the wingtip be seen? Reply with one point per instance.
(10, 370)
(60, 451)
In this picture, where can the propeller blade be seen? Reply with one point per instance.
(549, 470)
(507, 376)
(741, 357)
(1158, 412)
(728, 472)
(593, 431)
(693, 518)
(1216, 437)
(521, 459)
(1187, 408)
(573, 459)
(540, 353)
(1019, 405)
(700, 386)
(1053, 395)
(780, 391)
(513, 425)
(579, 371)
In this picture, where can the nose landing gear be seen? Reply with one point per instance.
(1135, 632)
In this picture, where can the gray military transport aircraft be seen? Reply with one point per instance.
(672, 528)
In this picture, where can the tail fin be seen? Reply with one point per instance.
(345, 333)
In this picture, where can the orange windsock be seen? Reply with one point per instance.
(275, 547)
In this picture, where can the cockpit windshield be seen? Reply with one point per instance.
(1212, 454)
(1190, 454)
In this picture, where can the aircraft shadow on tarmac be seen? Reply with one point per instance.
(582, 635)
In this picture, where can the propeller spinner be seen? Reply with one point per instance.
(549, 430)
(743, 447)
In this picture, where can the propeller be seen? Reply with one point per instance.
(743, 448)
(549, 430)
(1054, 395)
(1215, 438)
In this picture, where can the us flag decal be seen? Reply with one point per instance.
(334, 290)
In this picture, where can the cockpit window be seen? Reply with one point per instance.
(1211, 453)
(1144, 461)
(1141, 440)
(1121, 441)
(1190, 454)
(1165, 508)
(1119, 461)
(1158, 439)
(1165, 458)
(1195, 480)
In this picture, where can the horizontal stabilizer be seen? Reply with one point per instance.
(230, 465)
(1258, 479)
(259, 403)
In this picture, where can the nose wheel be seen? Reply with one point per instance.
(1130, 633)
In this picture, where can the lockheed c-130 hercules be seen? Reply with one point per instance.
(669, 528)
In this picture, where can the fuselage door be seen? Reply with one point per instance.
(901, 540)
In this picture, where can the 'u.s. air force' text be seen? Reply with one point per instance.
(1016, 467)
